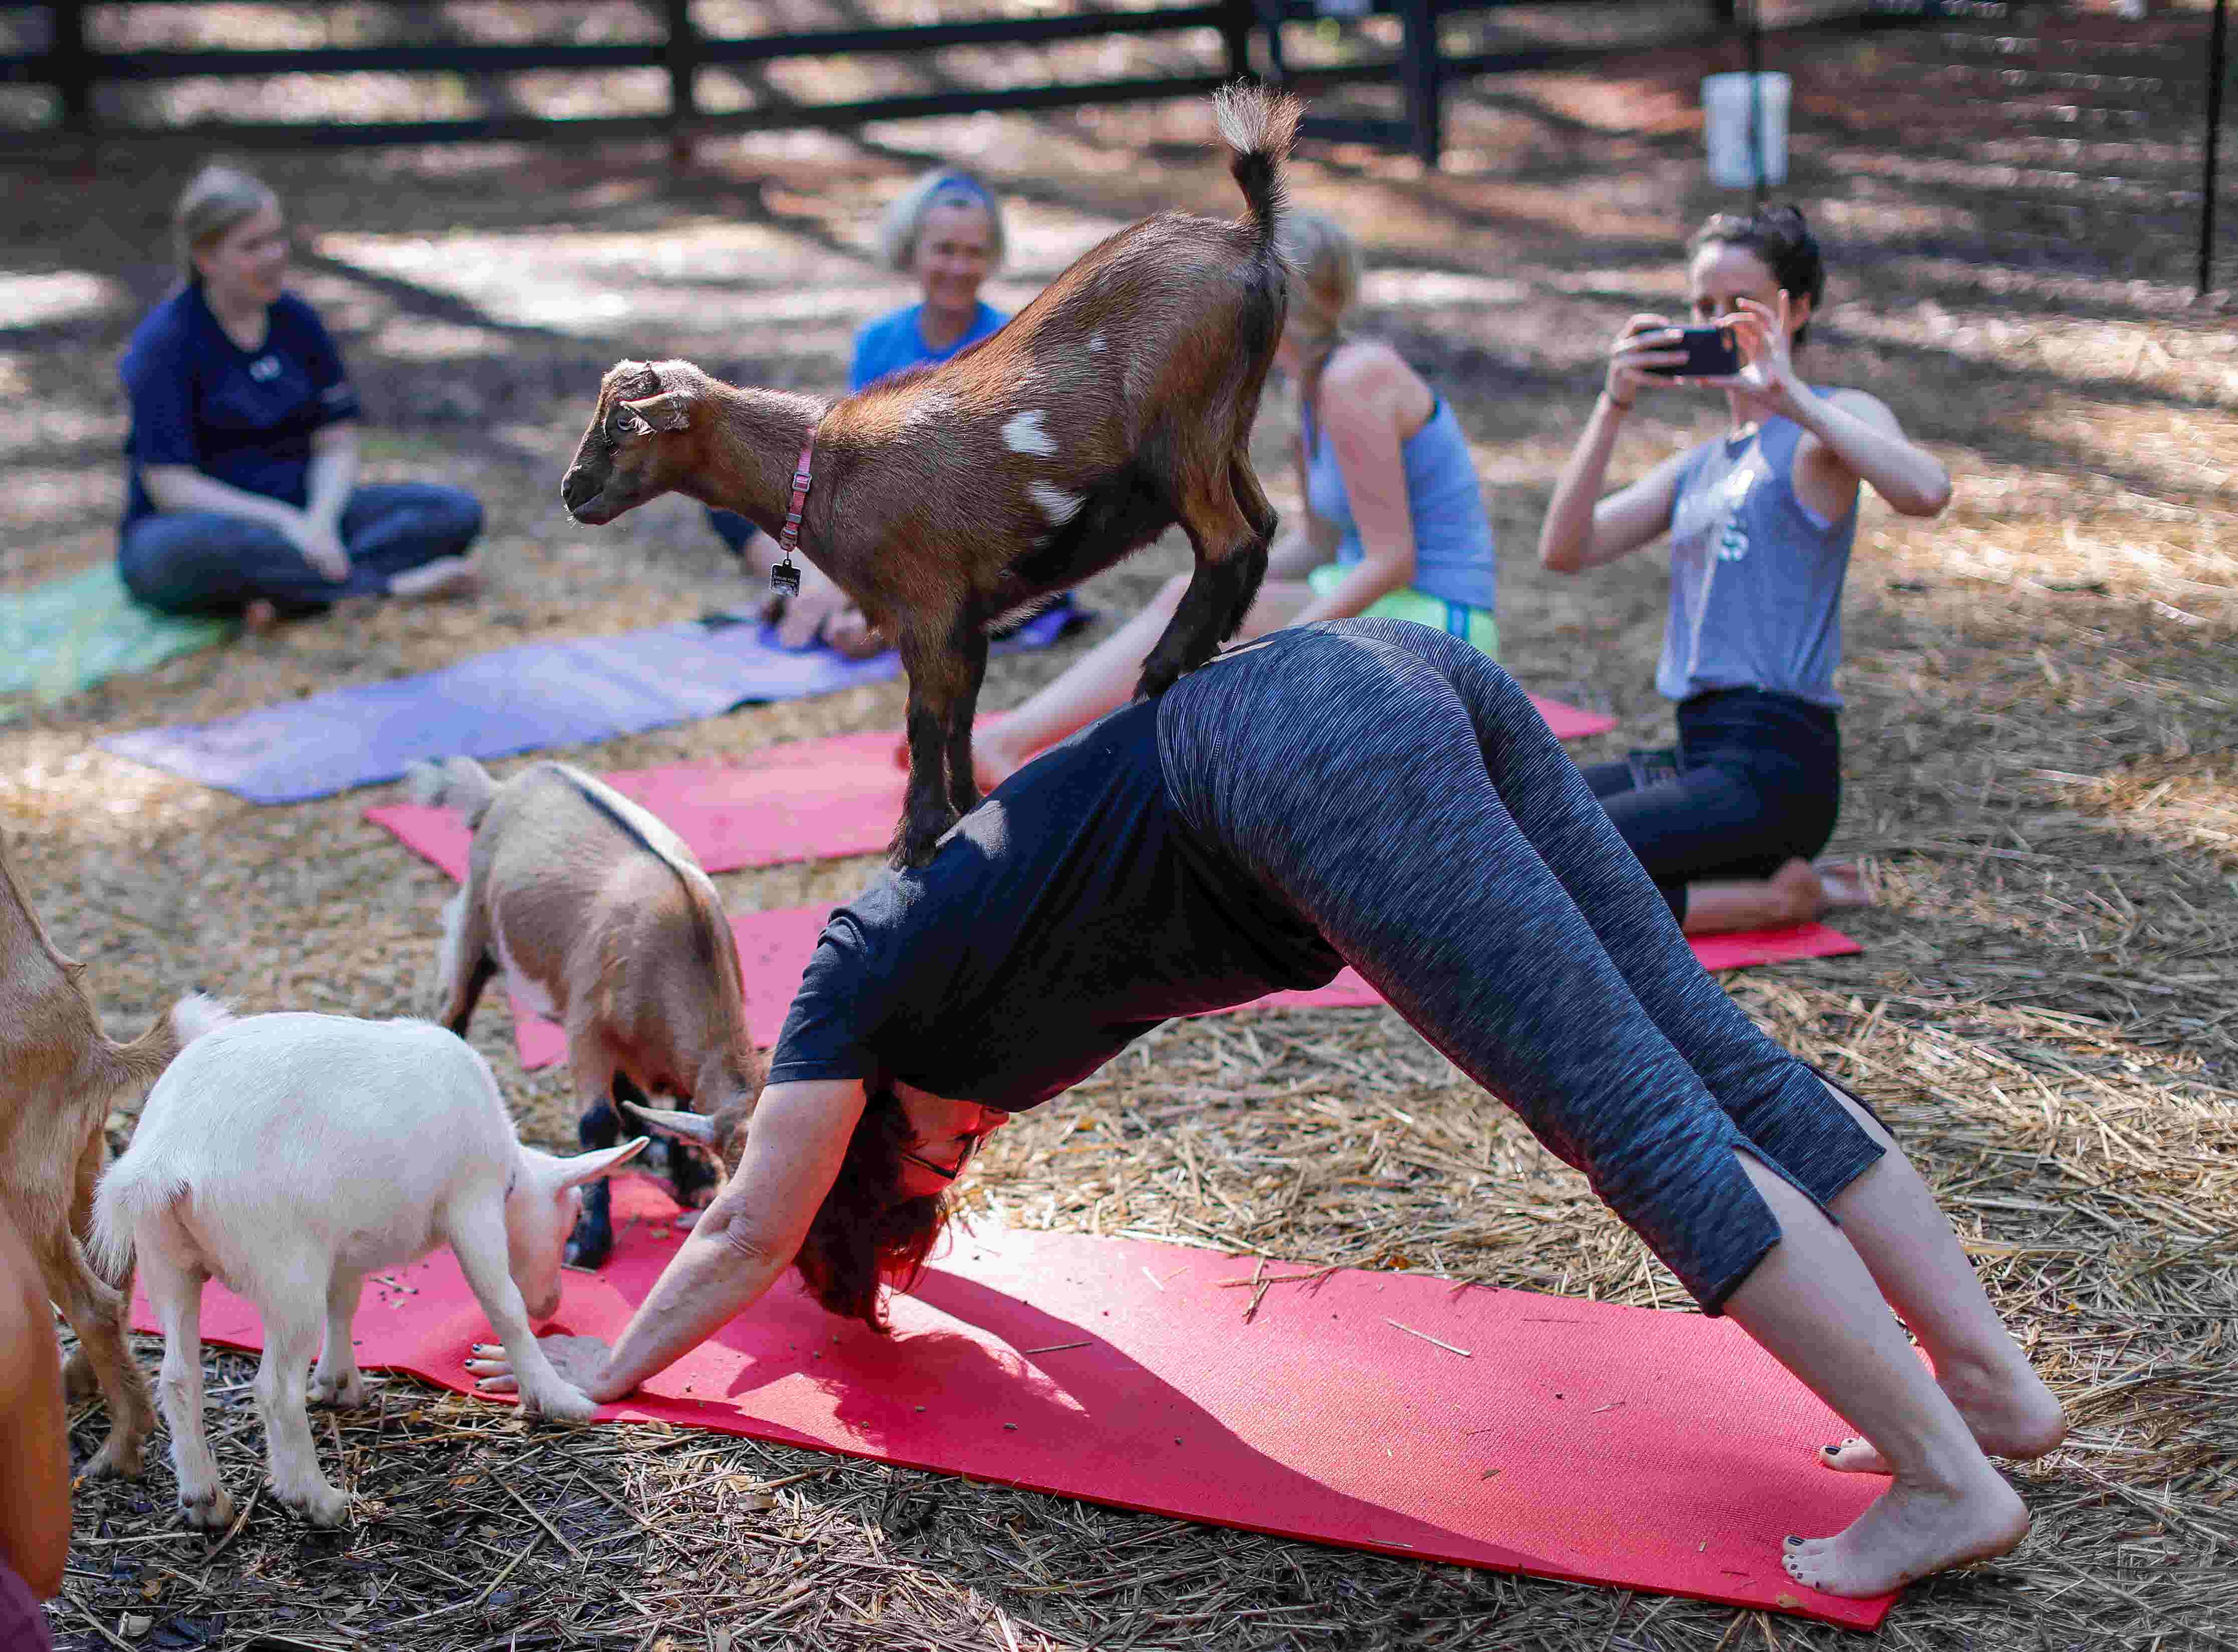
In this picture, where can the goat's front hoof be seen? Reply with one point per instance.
(562, 1402)
(207, 1508)
(918, 840)
(348, 1394)
(589, 1247)
(118, 1458)
(319, 1503)
(1160, 672)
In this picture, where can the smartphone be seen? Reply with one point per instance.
(1711, 353)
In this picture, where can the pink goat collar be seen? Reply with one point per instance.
(785, 578)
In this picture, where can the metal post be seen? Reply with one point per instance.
(1420, 75)
(683, 83)
(2215, 70)
(1756, 98)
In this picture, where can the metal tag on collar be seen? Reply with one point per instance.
(784, 579)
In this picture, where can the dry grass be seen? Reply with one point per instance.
(2040, 773)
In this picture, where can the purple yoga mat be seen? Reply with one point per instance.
(517, 699)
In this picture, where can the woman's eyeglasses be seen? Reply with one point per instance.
(947, 1172)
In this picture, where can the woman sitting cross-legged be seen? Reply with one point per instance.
(1761, 521)
(244, 497)
(1376, 793)
(1395, 523)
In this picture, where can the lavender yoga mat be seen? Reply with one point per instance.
(516, 699)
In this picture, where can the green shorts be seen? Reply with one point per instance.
(1472, 625)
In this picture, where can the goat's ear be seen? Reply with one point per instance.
(589, 1167)
(671, 410)
(694, 1127)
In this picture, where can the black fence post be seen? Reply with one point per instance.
(72, 67)
(2216, 70)
(1421, 77)
(683, 83)
(1237, 18)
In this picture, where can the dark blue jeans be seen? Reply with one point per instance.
(1758, 783)
(204, 562)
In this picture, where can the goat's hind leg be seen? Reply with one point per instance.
(1231, 560)
(962, 786)
(174, 1291)
(97, 1312)
(337, 1380)
(463, 966)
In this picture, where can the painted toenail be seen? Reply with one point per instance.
(1833, 1450)
(1793, 1542)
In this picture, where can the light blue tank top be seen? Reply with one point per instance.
(1756, 577)
(1453, 559)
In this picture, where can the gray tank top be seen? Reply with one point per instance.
(1756, 577)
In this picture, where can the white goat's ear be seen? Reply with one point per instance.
(671, 410)
(694, 1127)
(589, 1167)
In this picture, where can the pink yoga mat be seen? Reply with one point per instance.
(805, 800)
(1613, 1445)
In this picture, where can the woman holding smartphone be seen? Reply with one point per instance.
(1761, 520)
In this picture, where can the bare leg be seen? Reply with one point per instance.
(1892, 1221)
(337, 1380)
(176, 1292)
(291, 1336)
(1104, 679)
(1798, 893)
(478, 1240)
(1811, 1304)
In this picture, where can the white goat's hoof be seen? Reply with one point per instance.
(321, 1505)
(210, 1510)
(346, 1395)
(563, 1403)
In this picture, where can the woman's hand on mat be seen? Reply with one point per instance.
(1768, 367)
(1644, 342)
(321, 545)
(579, 1360)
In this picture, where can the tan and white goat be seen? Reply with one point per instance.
(1117, 403)
(600, 917)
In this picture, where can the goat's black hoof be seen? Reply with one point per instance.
(589, 1247)
(917, 841)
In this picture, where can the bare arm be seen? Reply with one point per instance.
(1364, 397)
(743, 1241)
(334, 471)
(1582, 530)
(1853, 437)
(332, 474)
(35, 1504)
(182, 488)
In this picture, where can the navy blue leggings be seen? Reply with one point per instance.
(1759, 784)
(1394, 786)
(205, 562)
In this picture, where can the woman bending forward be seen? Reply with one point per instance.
(1377, 793)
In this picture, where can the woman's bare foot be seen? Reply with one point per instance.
(259, 616)
(1913, 1530)
(432, 581)
(2010, 1411)
(1841, 885)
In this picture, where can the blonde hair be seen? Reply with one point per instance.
(214, 200)
(1324, 263)
(942, 186)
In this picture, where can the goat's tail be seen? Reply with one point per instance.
(1258, 127)
(455, 782)
(130, 1190)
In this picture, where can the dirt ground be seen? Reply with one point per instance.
(2039, 773)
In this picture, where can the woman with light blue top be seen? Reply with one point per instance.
(1395, 527)
(946, 230)
(1761, 521)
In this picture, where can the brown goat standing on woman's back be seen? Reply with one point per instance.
(1116, 404)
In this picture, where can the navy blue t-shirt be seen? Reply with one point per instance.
(241, 416)
(1063, 918)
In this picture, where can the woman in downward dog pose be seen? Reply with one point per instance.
(1373, 792)
(1760, 522)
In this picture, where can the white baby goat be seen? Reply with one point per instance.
(287, 1157)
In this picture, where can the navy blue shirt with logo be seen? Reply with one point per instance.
(243, 416)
